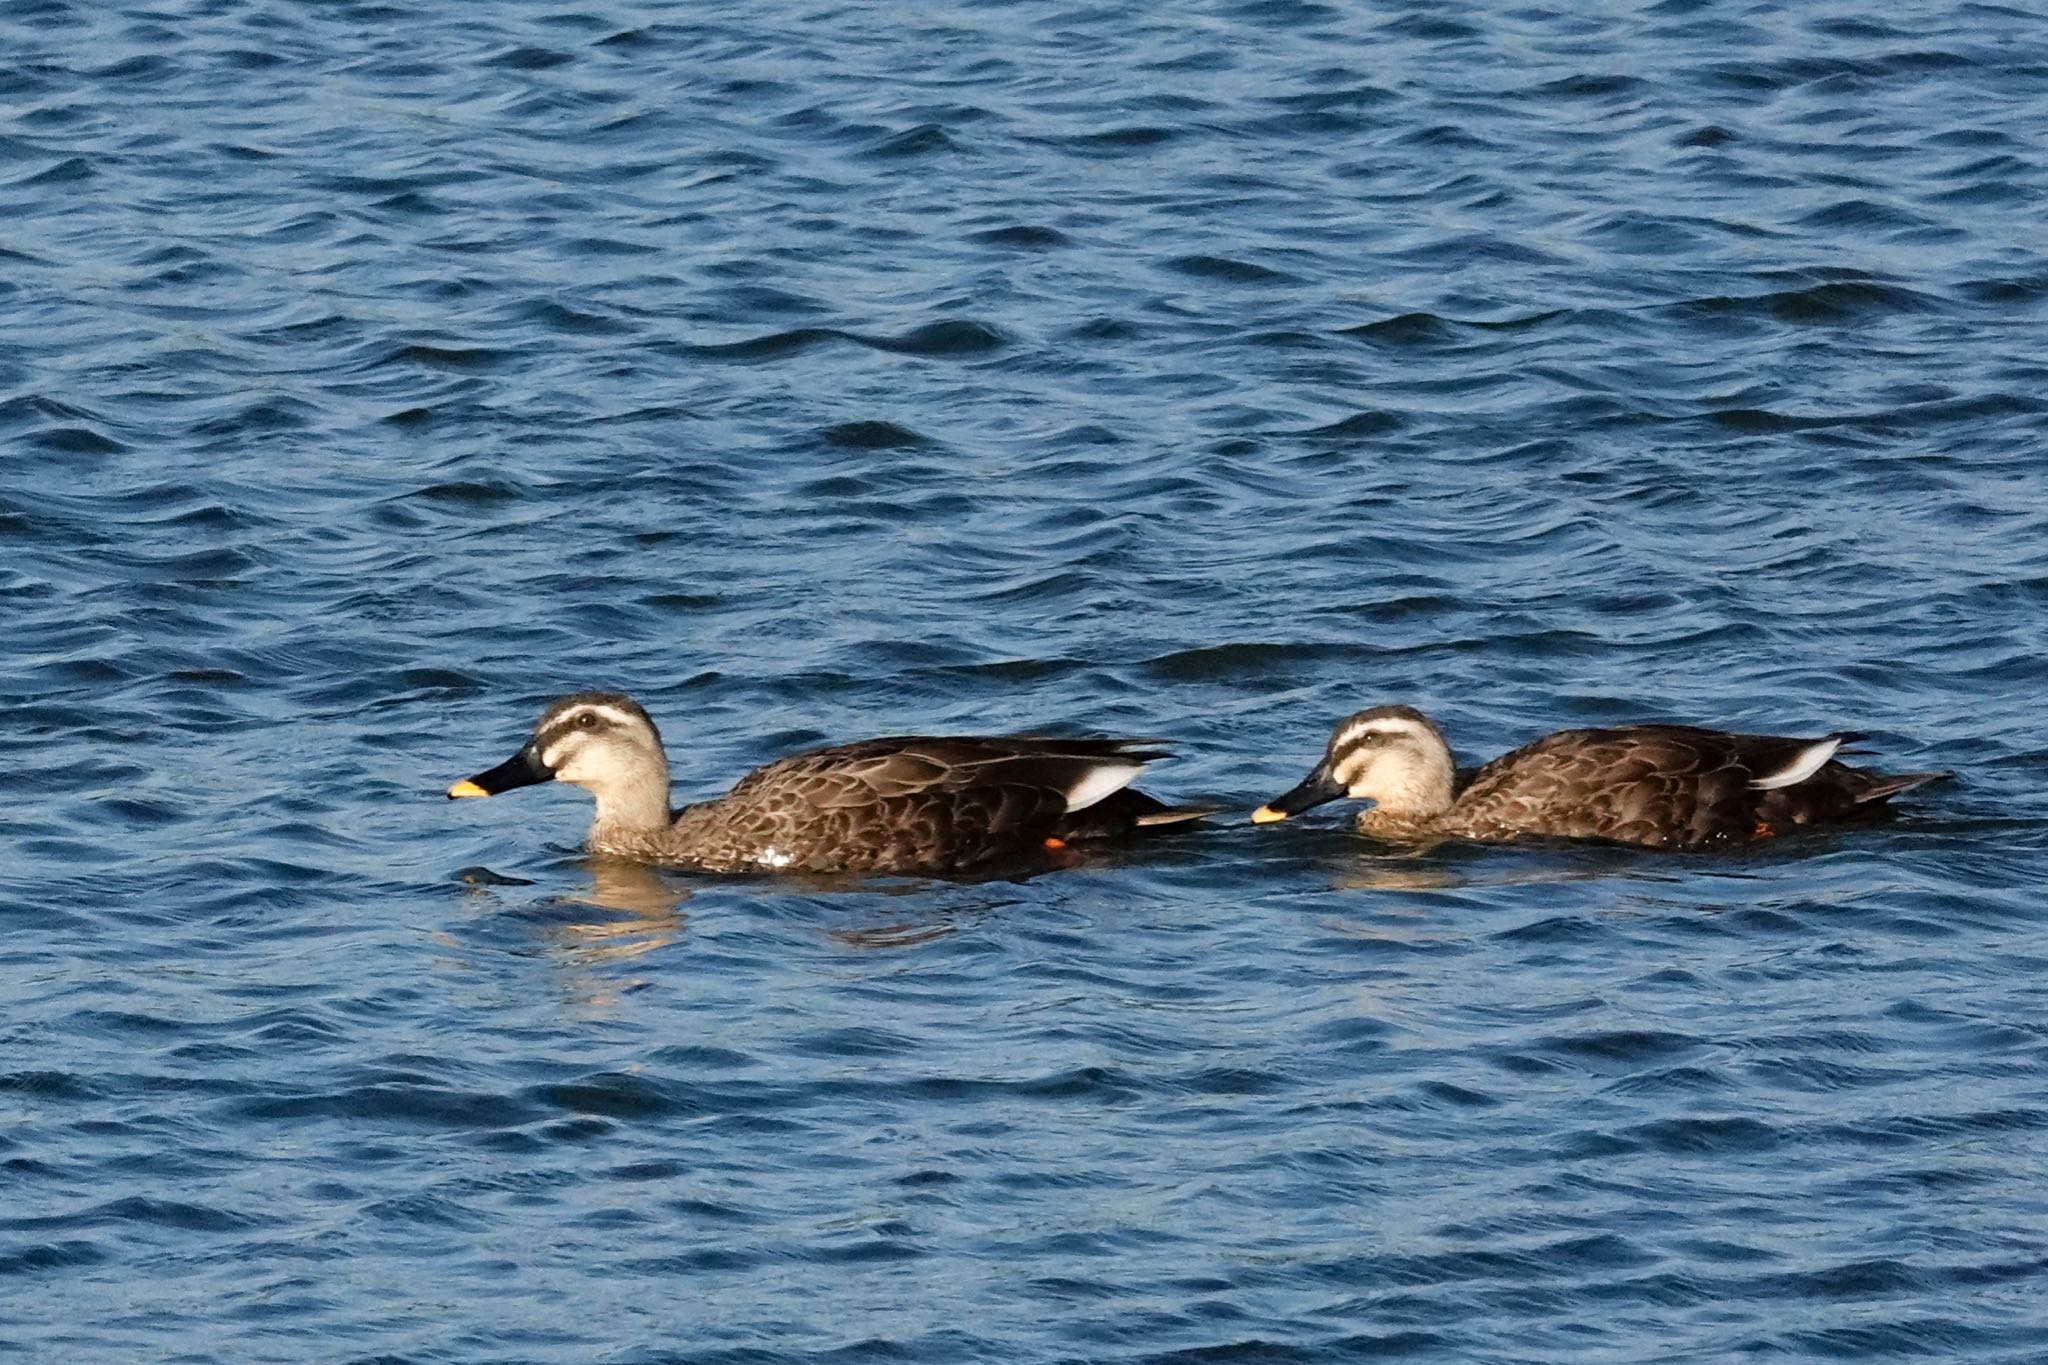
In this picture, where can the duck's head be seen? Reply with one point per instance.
(1393, 756)
(600, 741)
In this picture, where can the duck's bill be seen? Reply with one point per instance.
(523, 769)
(1310, 792)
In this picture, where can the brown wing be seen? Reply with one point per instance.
(910, 803)
(1661, 785)
(911, 764)
(825, 827)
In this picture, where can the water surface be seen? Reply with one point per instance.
(371, 373)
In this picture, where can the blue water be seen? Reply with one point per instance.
(370, 373)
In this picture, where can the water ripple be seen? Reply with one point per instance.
(1089, 368)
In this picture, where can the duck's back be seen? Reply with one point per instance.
(917, 803)
(1667, 786)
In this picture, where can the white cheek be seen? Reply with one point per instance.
(773, 857)
(579, 759)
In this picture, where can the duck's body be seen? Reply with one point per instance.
(1662, 786)
(904, 804)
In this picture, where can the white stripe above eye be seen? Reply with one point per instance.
(565, 725)
(1099, 782)
(611, 714)
(1378, 725)
(566, 731)
(1804, 764)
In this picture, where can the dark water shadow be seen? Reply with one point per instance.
(643, 903)
(1360, 863)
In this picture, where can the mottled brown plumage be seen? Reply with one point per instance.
(1663, 786)
(903, 804)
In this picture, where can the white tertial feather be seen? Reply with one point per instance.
(1804, 764)
(1101, 781)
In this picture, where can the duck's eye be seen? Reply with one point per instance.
(586, 721)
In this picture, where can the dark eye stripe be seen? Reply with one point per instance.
(1358, 743)
(567, 725)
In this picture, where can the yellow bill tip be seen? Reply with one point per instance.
(1266, 815)
(466, 788)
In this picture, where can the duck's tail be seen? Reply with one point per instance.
(1176, 815)
(1125, 812)
(1881, 786)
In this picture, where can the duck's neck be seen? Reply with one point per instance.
(1419, 789)
(631, 804)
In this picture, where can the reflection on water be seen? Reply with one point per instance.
(645, 907)
(635, 888)
(1418, 869)
(926, 919)
(1545, 366)
(1373, 877)
(642, 915)
(906, 934)
(649, 903)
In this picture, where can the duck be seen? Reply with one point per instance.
(1658, 786)
(900, 804)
